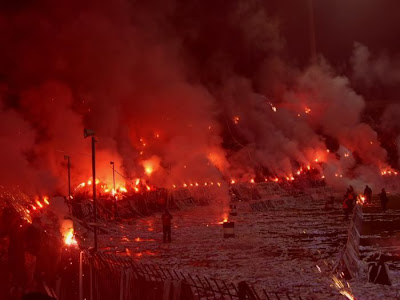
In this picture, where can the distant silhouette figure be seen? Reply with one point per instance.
(384, 199)
(349, 200)
(166, 221)
(368, 194)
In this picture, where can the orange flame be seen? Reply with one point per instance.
(67, 230)
(69, 238)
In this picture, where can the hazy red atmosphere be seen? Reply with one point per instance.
(197, 94)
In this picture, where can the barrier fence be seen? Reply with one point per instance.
(108, 276)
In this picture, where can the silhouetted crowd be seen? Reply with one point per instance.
(350, 199)
(29, 255)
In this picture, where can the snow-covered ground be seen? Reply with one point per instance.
(281, 249)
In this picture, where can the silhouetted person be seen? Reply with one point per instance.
(349, 200)
(166, 221)
(384, 199)
(368, 194)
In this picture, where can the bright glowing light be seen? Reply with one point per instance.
(361, 199)
(252, 180)
(307, 110)
(45, 200)
(225, 219)
(39, 204)
(69, 238)
(122, 189)
(151, 165)
(233, 181)
(236, 120)
(272, 107)
(338, 284)
(148, 170)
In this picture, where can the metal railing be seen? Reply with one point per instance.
(110, 276)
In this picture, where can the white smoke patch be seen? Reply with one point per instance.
(371, 70)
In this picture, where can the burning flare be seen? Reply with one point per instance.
(67, 230)
(343, 290)
(69, 238)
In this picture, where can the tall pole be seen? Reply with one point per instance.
(313, 47)
(94, 191)
(69, 180)
(114, 191)
(87, 133)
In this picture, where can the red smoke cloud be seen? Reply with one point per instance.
(161, 86)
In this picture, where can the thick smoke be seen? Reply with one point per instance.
(177, 93)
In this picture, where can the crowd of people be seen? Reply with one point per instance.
(30, 253)
(350, 199)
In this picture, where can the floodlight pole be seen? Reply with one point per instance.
(69, 176)
(94, 191)
(86, 133)
(114, 191)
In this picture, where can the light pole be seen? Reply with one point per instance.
(91, 133)
(69, 178)
(114, 191)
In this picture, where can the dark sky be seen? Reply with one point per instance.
(339, 23)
